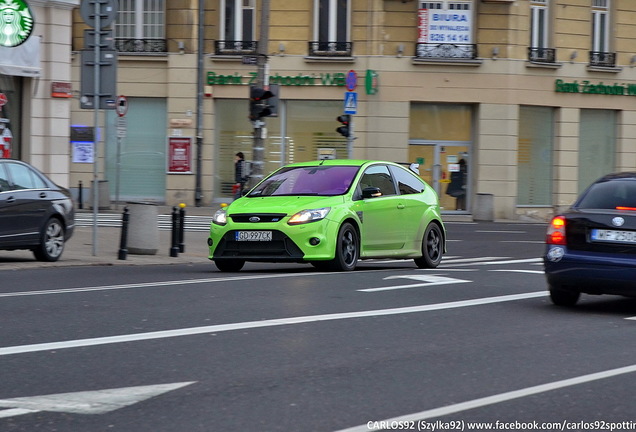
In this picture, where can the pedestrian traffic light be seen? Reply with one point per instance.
(259, 107)
(343, 130)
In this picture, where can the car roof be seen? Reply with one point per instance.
(627, 175)
(338, 162)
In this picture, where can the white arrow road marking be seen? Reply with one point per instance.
(86, 402)
(429, 280)
(162, 334)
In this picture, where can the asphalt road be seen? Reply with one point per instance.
(278, 347)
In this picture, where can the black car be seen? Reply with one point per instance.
(591, 248)
(35, 213)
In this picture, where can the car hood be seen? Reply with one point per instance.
(282, 204)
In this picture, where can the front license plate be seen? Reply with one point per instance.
(615, 236)
(253, 236)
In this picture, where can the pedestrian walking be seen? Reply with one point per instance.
(240, 174)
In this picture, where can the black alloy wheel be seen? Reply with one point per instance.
(432, 247)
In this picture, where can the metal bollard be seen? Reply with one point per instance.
(174, 248)
(181, 227)
(80, 199)
(123, 251)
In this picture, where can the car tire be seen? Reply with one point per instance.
(347, 249)
(51, 241)
(432, 247)
(561, 297)
(229, 265)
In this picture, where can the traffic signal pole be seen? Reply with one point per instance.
(262, 81)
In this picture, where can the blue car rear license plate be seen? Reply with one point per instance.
(614, 236)
(253, 236)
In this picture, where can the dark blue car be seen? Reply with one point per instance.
(591, 248)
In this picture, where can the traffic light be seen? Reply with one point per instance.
(259, 107)
(343, 130)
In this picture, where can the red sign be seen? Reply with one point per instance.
(61, 89)
(179, 155)
(352, 80)
(3, 100)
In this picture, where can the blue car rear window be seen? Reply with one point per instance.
(609, 195)
(313, 180)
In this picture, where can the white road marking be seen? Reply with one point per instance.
(475, 259)
(160, 284)
(518, 261)
(501, 231)
(86, 402)
(429, 280)
(20, 349)
(520, 271)
(501, 397)
(522, 241)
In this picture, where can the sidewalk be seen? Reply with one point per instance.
(79, 249)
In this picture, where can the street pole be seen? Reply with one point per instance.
(96, 101)
(198, 195)
(262, 80)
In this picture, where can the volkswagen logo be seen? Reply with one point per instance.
(618, 221)
(257, 219)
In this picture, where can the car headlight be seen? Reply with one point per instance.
(220, 217)
(306, 216)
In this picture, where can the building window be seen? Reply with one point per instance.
(237, 20)
(539, 24)
(534, 156)
(445, 30)
(140, 26)
(597, 145)
(331, 28)
(600, 26)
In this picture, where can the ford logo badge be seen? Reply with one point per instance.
(255, 219)
(618, 221)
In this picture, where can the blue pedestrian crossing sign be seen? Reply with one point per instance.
(351, 103)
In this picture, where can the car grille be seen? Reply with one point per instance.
(280, 248)
(257, 217)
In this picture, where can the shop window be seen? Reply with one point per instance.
(140, 26)
(597, 145)
(441, 122)
(534, 156)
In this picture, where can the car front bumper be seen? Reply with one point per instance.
(314, 241)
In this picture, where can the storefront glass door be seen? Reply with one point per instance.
(446, 167)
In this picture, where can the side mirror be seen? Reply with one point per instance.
(371, 192)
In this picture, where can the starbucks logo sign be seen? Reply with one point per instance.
(16, 22)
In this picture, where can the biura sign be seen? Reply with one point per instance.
(586, 87)
(16, 22)
(337, 79)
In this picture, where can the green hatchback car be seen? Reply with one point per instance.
(331, 213)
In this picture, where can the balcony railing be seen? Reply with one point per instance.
(141, 45)
(446, 51)
(229, 47)
(542, 55)
(602, 59)
(330, 49)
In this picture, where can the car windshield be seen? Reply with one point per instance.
(307, 180)
(616, 194)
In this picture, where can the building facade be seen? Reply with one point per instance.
(525, 102)
(35, 84)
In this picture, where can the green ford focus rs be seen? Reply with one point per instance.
(331, 214)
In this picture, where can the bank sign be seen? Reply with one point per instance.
(588, 87)
(334, 79)
(16, 22)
